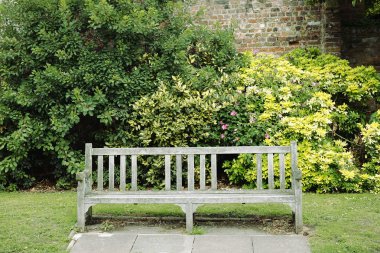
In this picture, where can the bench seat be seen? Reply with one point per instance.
(184, 197)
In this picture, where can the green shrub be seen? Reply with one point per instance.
(70, 72)
(371, 139)
(277, 100)
(171, 117)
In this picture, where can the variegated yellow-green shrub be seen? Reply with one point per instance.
(175, 116)
(278, 101)
(371, 139)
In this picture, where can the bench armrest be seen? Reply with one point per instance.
(81, 176)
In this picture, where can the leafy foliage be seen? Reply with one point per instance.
(307, 96)
(141, 73)
(71, 70)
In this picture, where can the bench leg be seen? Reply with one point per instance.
(189, 209)
(81, 217)
(189, 217)
(298, 218)
(84, 213)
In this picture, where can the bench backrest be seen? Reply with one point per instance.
(205, 153)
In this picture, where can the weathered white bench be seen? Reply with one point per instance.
(192, 196)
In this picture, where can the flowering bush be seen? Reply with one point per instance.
(277, 101)
(371, 139)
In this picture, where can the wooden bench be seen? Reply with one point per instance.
(194, 194)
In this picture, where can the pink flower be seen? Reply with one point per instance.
(233, 113)
(256, 51)
(222, 136)
(225, 126)
(267, 136)
(221, 123)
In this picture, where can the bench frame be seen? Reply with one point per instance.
(190, 199)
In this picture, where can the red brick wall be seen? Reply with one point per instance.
(276, 26)
(361, 41)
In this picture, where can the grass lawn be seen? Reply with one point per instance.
(41, 222)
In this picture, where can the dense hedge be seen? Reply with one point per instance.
(71, 70)
(140, 73)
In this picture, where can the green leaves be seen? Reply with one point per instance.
(174, 117)
(315, 99)
(71, 72)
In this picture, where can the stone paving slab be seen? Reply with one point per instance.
(163, 244)
(222, 244)
(103, 243)
(226, 240)
(280, 244)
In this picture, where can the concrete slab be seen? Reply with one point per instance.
(117, 242)
(222, 244)
(280, 244)
(167, 239)
(163, 244)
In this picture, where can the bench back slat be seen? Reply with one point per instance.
(100, 173)
(259, 178)
(270, 172)
(190, 172)
(111, 168)
(178, 162)
(293, 159)
(202, 181)
(167, 173)
(134, 173)
(191, 150)
(282, 171)
(214, 176)
(122, 172)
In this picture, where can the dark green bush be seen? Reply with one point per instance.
(70, 71)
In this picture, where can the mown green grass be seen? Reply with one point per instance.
(344, 222)
(41, 222)
(36, 222)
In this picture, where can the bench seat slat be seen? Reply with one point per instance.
(194, 198)
(185, 192)
(192, 150)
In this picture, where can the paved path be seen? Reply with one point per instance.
(142, 242)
